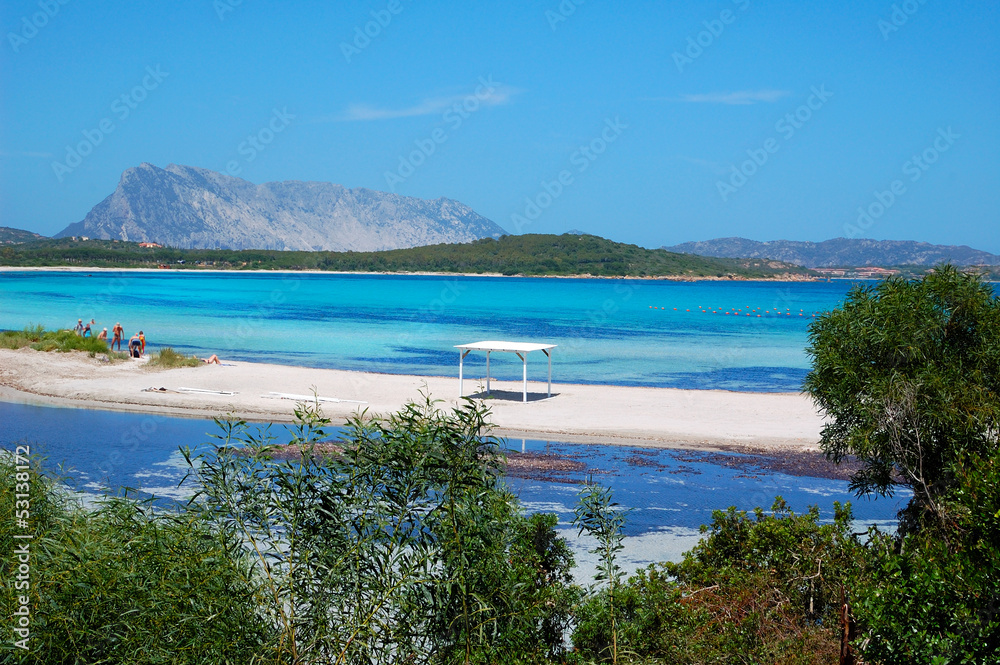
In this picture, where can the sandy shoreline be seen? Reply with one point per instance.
(662, 417)
(669, 278)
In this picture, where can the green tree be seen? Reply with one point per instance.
(934, 596)
(908, 373)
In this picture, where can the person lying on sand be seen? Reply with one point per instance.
(211, 359)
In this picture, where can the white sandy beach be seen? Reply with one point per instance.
(581, 413)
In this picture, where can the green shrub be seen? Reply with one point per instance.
(405, 547)
(756, 589)
(126, 584)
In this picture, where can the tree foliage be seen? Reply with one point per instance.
(933, 596)
(908, 373)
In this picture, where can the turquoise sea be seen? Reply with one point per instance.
(624, 332)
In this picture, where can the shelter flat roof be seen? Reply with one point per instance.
(514, 347)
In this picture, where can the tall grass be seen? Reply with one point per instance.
(51, 340)
(166, 357)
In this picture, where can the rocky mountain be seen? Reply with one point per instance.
(841, 252)
(188, 207)
(10, 236)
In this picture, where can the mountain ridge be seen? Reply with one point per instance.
(194, 208)
(840, 252)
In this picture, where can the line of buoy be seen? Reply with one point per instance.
(747, 311)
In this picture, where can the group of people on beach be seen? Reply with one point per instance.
(136, 345)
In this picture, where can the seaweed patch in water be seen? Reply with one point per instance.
(543, 466)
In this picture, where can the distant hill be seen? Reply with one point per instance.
(530, 254)
(841, 252)
(9, 236)
(188, 207)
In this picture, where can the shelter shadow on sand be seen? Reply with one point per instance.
(511, 395)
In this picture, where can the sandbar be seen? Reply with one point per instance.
(659, 417)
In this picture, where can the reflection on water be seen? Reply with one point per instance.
(670, 493)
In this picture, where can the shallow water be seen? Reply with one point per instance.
(670, 493)
(608, 331)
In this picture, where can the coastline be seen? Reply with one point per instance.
(670, 278)
(653, 417)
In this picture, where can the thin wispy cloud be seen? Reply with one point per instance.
(737, 97)
(494, 96)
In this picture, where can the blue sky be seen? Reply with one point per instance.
(646, 122)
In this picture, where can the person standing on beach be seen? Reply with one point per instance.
(86, 331)
(78, 328)
(142, 340)
(119, 335)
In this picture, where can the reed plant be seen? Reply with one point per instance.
(122, 583)
(406, 547)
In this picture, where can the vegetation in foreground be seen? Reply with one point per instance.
(529, 254)
(408, 547)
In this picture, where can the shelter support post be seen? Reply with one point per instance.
(549, 355)
(487, 372)
(461, 362)
(524, 375)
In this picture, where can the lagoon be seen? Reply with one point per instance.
(670, 492)
(609, 331)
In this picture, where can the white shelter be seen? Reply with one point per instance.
(521, 349)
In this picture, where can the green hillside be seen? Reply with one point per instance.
(535, 254)
(10, 236)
